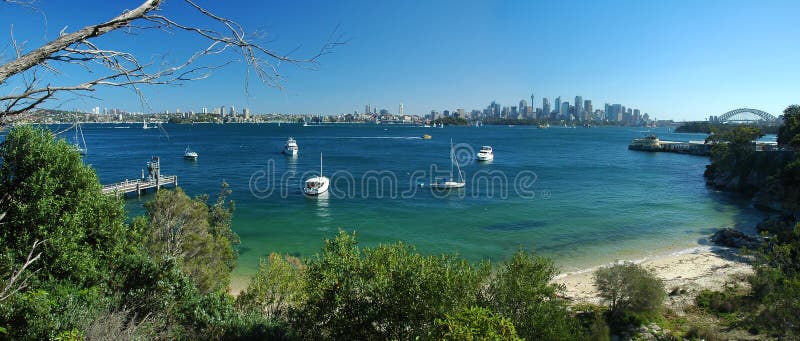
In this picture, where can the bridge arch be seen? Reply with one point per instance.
(760, 113)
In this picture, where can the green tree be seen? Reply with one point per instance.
(52, 196)
(195, 235)
(275, 289)
(520, 289)
(387, 292)
(630, 288)
(789, 133)
(476, 323)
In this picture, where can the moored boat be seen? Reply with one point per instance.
(188, 154)
(291, 147)
(485, 154)
(318, 184)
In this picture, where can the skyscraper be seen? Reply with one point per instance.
(558, 106)
(564, 113)
(579, 112)
(401, 112)
(587, 106)
(545, 108)
(523, 106)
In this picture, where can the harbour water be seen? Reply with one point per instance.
(577, 195)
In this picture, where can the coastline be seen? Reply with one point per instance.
(689, 271)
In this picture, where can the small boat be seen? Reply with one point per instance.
(318, 184)
(426, 137)
(291, 147)
(485, 154)
(544, 125)
(188, 154)
(452, 182)
(81, 148)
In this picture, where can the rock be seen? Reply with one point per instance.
(734, 238)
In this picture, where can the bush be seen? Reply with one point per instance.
(387, 292)
(520, 289)
(476, 323)
(630, 288)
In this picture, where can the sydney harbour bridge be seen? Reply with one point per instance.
(745, 115)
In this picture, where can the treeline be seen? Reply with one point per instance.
(705, 127)
(769, 303)
(451, 121)
(72, 268)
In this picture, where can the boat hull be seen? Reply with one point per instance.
(316, 190)
(485, 157)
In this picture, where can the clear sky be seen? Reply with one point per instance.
(672, 59)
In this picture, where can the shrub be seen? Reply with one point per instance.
(520, 289)
(476, 323)
(630, 288)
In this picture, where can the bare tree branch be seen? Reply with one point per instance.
(123, 69)
(17, 282)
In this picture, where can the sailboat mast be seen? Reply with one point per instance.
(320, 164)
(452, 159)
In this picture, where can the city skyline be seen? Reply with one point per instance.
(669, 58)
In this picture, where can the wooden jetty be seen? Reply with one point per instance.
(154, 180)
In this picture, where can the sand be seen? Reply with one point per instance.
(706, 267)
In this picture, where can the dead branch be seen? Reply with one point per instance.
(124, 69)
(17, 281)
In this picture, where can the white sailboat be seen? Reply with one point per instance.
(318, 184)
(452, 182)
(79, 132)
(144, 124)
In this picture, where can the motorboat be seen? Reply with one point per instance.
(188, 154)
(452, 182)
(426, 137)
(318, 184)
(485, 154)
(291, 147)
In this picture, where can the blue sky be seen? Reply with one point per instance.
(672, 59)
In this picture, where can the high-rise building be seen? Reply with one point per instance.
(246, 113)
(564, 113)
(401, 112)
(367, 110)
(587, 107)
(545, 108)
(579, 112)
(558, 106)
(532, 101)
(523, 106)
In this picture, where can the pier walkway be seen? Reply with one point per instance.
(140, 185)
(154, 179)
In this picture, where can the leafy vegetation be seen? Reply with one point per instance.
(631, 291)
(451, 120)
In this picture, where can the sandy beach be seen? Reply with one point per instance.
(705, 267)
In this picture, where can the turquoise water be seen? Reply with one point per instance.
(592, 201)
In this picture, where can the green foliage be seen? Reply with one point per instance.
(476, 323)
(451, 120)
(199, 237)
(276, 287)
(520, 289)
(385, 292)
(789, 134)
(630, 289)
(52, 196)
(776, 284)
